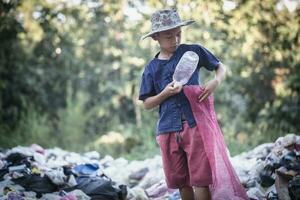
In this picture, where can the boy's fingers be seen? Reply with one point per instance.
(177, 87)
(172, 83)
(204, 96)
(200, 96)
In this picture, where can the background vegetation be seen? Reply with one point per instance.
(70, 71)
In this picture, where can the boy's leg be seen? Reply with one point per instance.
(198, 163)
(174, 161)
(187, 193)
(202, 193)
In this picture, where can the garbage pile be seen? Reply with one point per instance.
(270, 171)
(28, 173)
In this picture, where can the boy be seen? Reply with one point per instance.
(184, 160)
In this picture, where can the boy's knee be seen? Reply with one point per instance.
(202, 193)
(187, 193)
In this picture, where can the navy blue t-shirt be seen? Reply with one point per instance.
(158, 73)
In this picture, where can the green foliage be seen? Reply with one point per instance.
(33, 127)
(127, 140)
(71, 123)
(68, 130)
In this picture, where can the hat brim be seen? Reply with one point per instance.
(184, 23)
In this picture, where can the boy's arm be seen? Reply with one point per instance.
(211, 85)
(220, 73)
(168, 91)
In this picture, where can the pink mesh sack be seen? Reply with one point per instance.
(226, 184)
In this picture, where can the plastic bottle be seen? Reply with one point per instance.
(185, 68)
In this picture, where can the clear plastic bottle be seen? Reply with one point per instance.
(185, 68)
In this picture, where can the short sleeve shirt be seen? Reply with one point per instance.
(158, 73)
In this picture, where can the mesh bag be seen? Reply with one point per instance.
(225, 183)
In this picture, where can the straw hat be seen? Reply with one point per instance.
(165, 19)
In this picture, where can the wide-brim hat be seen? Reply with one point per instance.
(166, 19)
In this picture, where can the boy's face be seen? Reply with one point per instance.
(168, 40)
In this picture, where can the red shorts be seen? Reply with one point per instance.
(184, 160)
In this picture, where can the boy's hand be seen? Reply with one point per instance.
(172, 89)
(209, 87)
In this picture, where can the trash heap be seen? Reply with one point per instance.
(270, 171)
(28, 173)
